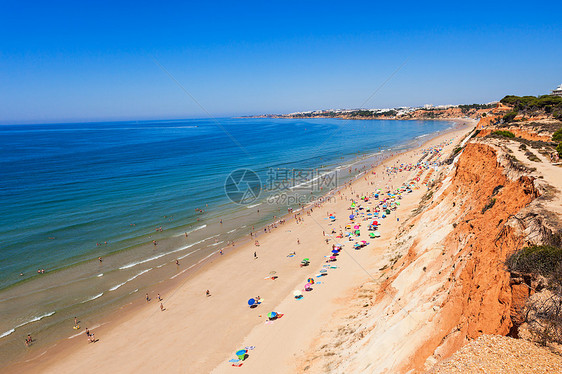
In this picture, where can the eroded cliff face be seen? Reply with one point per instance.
(482, 197)
(446, 281)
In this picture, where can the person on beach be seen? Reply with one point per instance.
(255, 255)
(100, 259)
(208, 293)
(298, 241)
(159, 298)
(161, 307)
(147, 298)
(177, 262)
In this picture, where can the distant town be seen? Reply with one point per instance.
(427, 111)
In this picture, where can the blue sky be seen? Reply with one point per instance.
(93, 60)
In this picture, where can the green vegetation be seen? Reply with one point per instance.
(510, 116)
(504, 133)
(541, 259)
(557, 136)
(559, 149)
(543, 315)
(548, 104)
(467, 108)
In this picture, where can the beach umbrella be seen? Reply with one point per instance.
(297, 294)
(377, 234)
(307, 286)
(335, 251)
(251, 302)
(332, 257)
(241, 354)
(272, 272)
(323, 271)
(271, 315)
(351, 216)
(305, 260)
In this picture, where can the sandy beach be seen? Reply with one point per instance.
(196, 333)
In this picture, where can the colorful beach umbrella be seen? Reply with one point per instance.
(241, 354)
(271, 315)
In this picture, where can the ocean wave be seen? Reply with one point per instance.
(231, 231)
(7, 333)
(190, 231)
(100, 275)
(130, 279)
(212, 245)
(253, 206)
(92, 298)
(183, 271)
(142, 261)
(189, 254)
(162, 254)
(35, 319)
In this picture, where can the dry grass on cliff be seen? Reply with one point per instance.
(499, 354)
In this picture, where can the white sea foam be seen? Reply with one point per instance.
(190, 231)
(7, 333)
(117, 286)
(231, 231)
(161, 255)
(92, 298)
(130, 279)
(183, 271)
(100, 275)
(253, 206)
(212, 245)
(35, 319)
(75, 335)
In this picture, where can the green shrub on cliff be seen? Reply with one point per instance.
(504, 133)
(559, 149)
(510, 116)
(543, 260)
(557, 136)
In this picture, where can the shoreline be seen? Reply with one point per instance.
(170, 288)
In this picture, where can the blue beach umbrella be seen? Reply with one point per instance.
(335, 251)
(241, 354)
(351, 216)
(251, 302)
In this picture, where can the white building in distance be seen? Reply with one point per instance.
(557, 91)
